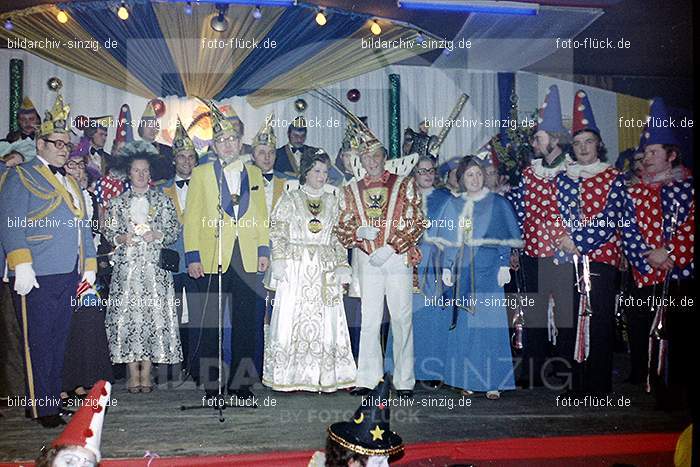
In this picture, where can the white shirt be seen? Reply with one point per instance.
(181, 192)
(269, 192)
(233, 181)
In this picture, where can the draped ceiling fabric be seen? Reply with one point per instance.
(162, 51)
(40, 23)
(505, 42)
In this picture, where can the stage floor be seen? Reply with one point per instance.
(138, 424)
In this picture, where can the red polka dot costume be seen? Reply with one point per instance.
(535, 202)
(654, 205)
(599, 216)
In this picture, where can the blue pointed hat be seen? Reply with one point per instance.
(656, 132)
(582, 117)
(549, 118)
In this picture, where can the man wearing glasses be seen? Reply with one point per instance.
(240, 191)
(46, 234)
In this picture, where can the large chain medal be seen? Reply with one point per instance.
(375, 200)
(314, 206)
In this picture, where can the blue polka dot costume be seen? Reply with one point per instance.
(599, 216)
(654, 205)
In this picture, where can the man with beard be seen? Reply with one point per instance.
(28, 120)
(534, 200)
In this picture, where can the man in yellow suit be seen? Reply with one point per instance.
(239, 191)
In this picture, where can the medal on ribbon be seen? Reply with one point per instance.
(314, 206)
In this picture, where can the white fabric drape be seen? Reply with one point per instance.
(425, 93)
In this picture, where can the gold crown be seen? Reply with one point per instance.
(56, 120)
(266, 134)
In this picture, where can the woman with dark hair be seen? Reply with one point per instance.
(307, 347)
(476, 232)
(141, 319)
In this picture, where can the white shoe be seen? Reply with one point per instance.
(493, 395)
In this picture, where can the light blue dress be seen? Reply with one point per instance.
(475, 235)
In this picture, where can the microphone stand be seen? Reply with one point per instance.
(221, 404)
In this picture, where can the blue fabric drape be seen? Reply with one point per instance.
(297, 38)
(506, 84)
(140, 48)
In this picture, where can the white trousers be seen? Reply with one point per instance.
(395, 280)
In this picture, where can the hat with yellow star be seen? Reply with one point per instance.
(266, 134)
(368, 432)
(56, 120)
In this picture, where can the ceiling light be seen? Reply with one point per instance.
(321, 19)
(123, 12)
(219, 23)
(375, 28)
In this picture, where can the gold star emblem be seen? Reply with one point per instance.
(377, 433)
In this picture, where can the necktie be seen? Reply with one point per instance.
(182, 183)
(56, 170)
(268, 177)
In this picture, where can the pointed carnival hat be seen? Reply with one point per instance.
(657, 131)
(85, 427)
(221, 123)
(487, 153)
(369, 433)
(582, 118)
(549, 118)
(266, 134)
(181, 140)
(125, 131)
(27, 107)
(57, 119)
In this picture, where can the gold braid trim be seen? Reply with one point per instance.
(34, 188)
(362, 450)
(47, 210)
(402, 239)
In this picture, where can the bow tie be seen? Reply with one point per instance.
(56, 170)
(182, 183)
(268, 177)
(94, 151)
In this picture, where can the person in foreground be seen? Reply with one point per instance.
(367, 439)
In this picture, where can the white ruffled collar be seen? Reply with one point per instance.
(313, 192)
(576, 170)
(550, 172)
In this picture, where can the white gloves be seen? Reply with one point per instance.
(503, 276)
(279, 269)
(25, 278)
(90, 277)
(447, 277)
(380, 256)
(367, 232)
(343, 275)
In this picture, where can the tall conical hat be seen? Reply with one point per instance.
(582, 115)
(125, 132)
(27, 106)
(658, 131)
(266, 134)
(549, 118)
(220, 124)
(181, 140)
(85, 427)
(149, 113)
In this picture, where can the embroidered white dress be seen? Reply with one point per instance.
(307, 345)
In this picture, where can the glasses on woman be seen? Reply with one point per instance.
(60, 144)
(429, 171)
(75, 165)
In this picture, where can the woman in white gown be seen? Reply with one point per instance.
(307, 347)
